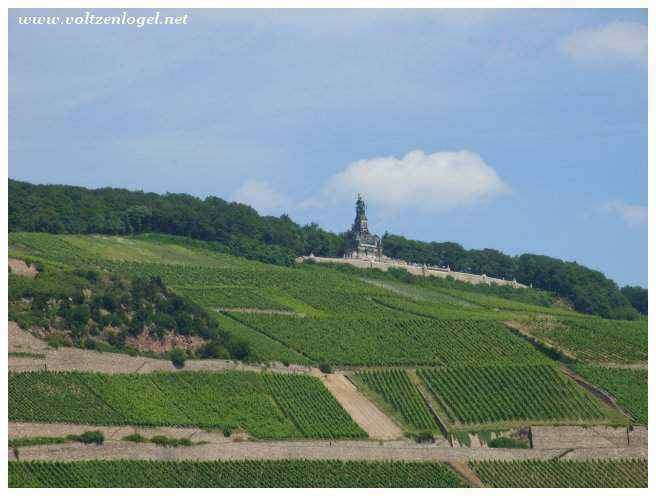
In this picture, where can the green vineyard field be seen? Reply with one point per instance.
(396, 341)
(628, 386)
(563, 473)
(540, 393)
(344, 317)
(596, 340)
(264, 347)
(247, 473)
(208, 400)
(396, 389)
(325, 419)
(229, 297)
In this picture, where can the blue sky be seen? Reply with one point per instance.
(520, 130)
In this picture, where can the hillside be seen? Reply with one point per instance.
(239, 230)
(305, 314)
(411, 358)
(308, 314)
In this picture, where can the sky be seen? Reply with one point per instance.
(519, 130)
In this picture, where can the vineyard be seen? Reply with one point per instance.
(563, 473)
(245, 400)
(396, 389)
(344, 317)
(78, 249)
(486, 395)
(230, 297)
(311, 407)
(396, 341)
(248, 473)
(435, 309)
(628, 386)
(463, 363)
(264, 347)
(493, 302)
(596, 340)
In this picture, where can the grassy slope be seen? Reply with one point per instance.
(344, 318)
(628, 386)
(244, 473)
(491, 397)
(563, 473)
(246, 400)
(393, 391)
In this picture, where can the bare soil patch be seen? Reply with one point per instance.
(462, 469)
(69, 358)
(21, 340)
(146, 343)
(572, 437)
(365, 413)
(20, 268)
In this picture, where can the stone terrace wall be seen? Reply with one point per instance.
(413, 269)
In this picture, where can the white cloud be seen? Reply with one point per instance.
(633, 215)
(262, 197)
(613, 42)
(431, 183)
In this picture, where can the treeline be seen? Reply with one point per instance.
(638, 297)
(587, 290)
(74, 210)
(243, 232)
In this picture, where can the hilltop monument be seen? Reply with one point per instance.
(363, 243)
(365, 251)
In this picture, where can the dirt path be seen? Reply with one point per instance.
(266, 311)
(237, 446)
(63, 359)
(336, 450)
(362, 410)
(462, 468)
(612, 365)
(118, 432)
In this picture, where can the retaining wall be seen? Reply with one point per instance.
(414, 269)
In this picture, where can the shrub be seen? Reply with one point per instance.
(507, 442)
(29, 319)
(56, 340)
(326, 368)
(227, 431)
(213, 349)
(135, 438)
(239, 349)
(35, 441)
(171, 441)
(424, 437)
(88, 437)
(178, 357)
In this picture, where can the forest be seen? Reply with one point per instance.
(239, 230)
